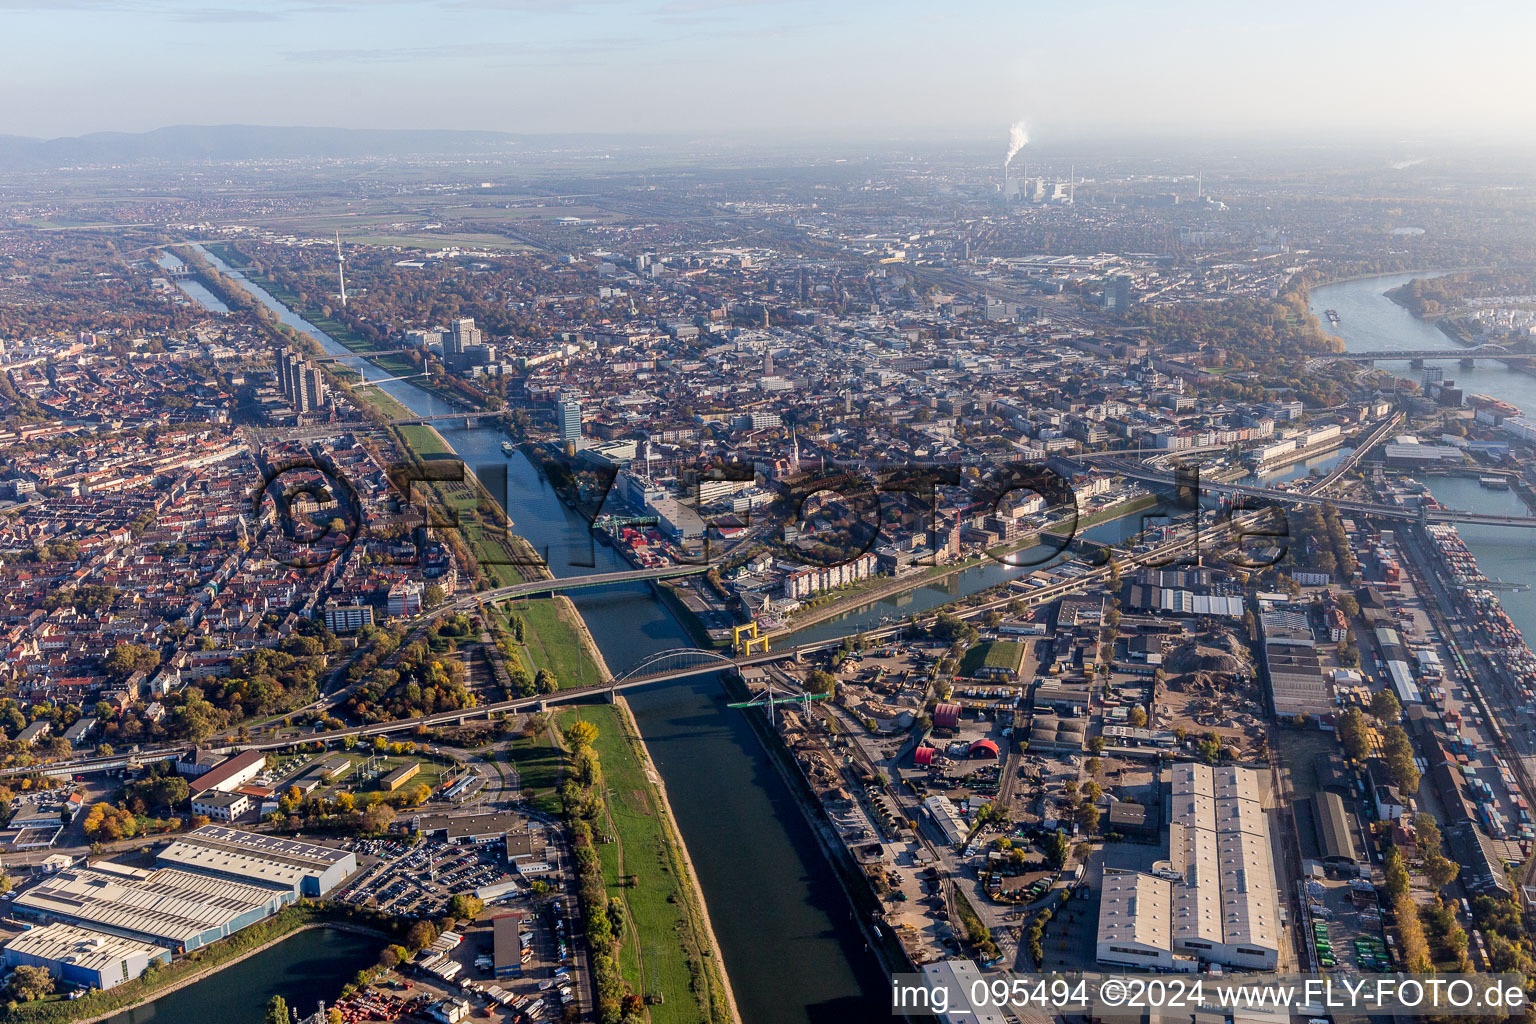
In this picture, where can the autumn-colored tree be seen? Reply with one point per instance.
(581, 734)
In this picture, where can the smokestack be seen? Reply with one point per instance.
(1018, 138)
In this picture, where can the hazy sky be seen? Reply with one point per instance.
(1095, 68)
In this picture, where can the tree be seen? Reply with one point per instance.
(421, 935)
(1087, 816)
(433, 596)
(1442, 871)
(465, 907)
(1096, 745)
(1397, 750)
(1057, 847)
(1138, 717)
(378, 818)
(1385, 707)
(126, 659)
(277, 1011)
(28, 983)
(1352, 732)
(581, 734)
(820, 681)
(1426, 834)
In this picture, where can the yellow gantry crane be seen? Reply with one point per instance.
(744, 638)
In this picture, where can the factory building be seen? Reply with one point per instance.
(941, 810)
(1291, 666)
(399, 777)
(300, 869)
(79, 956)
(178, 910)
(221, 806)
(1214, 899)
(109, 922)
(959, 981)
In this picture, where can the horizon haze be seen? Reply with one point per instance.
(738, 69)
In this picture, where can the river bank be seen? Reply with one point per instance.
(862, 595)
(1372, 321)
(865, 904)
(719, 780)
(675, 838)
(595, 667)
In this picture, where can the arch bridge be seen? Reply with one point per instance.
(679, 661)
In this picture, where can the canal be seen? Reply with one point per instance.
(1369, 321)
(304, 969)
(990, 573)
(790, 946)
(194, 290)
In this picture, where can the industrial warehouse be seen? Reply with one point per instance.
(208, 884)
(1214, 899)
(80, 956)
(302, 868)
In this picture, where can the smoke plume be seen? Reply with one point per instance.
(1018, 138)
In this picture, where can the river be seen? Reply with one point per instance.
(1369, 321)
(304, 969)
(968, 581)
(790, 946)
(194, 290)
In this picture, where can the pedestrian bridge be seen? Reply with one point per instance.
(563, 583)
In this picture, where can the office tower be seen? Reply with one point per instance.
(462, 333)
(570, 420)
(768, 365)
(314, 388)
(293, 371)
(1117, 293)
(465, 333)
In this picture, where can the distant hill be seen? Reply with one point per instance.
(251, 142)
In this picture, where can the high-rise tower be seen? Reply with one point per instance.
(341, 275)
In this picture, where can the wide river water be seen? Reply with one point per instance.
(789, 943)
(1369, 321)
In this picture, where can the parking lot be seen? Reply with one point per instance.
(418, 881)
